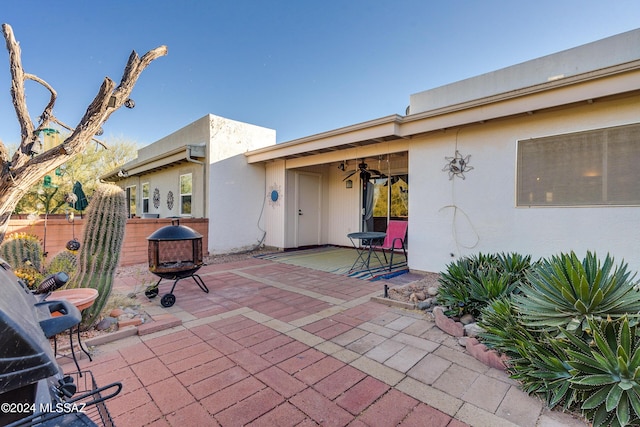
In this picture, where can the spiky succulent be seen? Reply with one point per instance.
(563, 291)
(65, 261)
(471, 283)
(100, 250)
(536, 360)
(606, 371)
(22, 250)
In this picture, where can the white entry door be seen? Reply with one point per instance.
(308, 209)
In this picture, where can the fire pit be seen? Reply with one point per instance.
(175, 252)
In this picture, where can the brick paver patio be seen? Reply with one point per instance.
(278, 345)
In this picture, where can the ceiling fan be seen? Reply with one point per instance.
(365, 172)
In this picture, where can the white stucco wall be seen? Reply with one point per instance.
(236, 190)
(274, 211)
(236, 205)
(478, 214)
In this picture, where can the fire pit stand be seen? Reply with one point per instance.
(175, 253)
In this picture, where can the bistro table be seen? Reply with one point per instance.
(365, 250)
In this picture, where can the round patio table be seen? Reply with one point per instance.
(365, 249)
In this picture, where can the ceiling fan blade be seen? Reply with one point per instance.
(351, 173)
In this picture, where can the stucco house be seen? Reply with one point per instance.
(540, 157)
(200, 171)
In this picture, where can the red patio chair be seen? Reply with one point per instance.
(396, 235)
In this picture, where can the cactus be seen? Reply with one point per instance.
(99, 253)
(66, 261)
(22, 250)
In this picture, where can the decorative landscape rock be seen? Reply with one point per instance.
(106, 323)
(467, 319)
(424, 305)
(488, 357)
(472, 330)
(446, 324)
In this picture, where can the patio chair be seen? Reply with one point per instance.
(396, 235)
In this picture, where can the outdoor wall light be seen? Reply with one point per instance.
(349, 183)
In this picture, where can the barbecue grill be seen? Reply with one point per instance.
(175, 253)
(33, 389)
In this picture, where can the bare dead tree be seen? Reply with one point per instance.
(24, 169)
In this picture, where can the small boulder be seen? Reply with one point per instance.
(472, 330)
(106, 323)
(467, 319)
(432, 291)
(423, 305)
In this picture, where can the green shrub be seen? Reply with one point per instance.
(470, 283)
(563, 291)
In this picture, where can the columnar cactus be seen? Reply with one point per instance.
(99, 253)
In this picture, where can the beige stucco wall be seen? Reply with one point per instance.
(478, 214)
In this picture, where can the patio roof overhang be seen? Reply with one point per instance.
(393, 133)
(139, 166)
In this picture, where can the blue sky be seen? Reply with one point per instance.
(300, 67)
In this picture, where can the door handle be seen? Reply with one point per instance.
(299, 211)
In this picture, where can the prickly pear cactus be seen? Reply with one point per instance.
(99, 253)
(22, 250)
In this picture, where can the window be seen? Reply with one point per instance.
(185, 194)
(131, 201)
(598, 167)
(145, 197)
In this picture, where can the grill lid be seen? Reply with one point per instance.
(175, 231)
(25, 354)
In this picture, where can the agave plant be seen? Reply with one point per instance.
(454, 287)
(502, 329)
(488, 285)
(607, 372)
(471, 283)
(536, 360)
(563, 291)
(514, 265)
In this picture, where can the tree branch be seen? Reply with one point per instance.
(25, 169)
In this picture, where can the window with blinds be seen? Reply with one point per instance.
(597, 167)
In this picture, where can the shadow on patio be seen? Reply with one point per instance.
(340, 260)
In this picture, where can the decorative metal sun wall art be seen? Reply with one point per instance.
(457, 165)
(274, 195)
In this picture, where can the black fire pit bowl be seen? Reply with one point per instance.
(175, 252)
